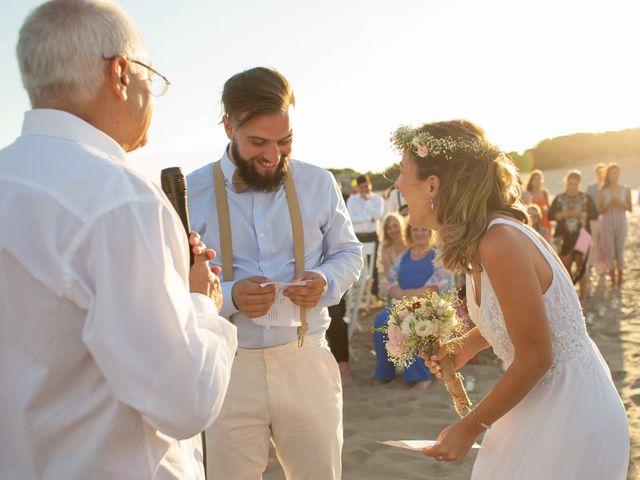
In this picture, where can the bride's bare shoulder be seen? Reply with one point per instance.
(501, 243)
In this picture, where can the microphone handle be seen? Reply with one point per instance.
(174, 186)
(183, 213)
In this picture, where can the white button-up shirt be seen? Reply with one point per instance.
(365, 214)
(106, 360)
(263, 241)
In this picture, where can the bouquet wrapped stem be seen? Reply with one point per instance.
(453, 382)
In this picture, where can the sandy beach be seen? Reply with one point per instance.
(393, 411)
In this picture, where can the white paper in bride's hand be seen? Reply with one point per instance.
(283, 312)
(415, 444)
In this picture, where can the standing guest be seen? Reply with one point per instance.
(338, 332)
(412, 274)
(392, 201)
(614, 200)
(338, 339)
(594, 188)
(365, 211)
(596, 258)
(572, 211)
(556, 389)
(109, 367)
(537, 194)
(263, 207)
(393, 240)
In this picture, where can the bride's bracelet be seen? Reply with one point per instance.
(483, 425)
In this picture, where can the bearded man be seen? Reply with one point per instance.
(275, 219)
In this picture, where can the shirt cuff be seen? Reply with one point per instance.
(203, 304)
(209, 319)
(331, 295)
(228, 308)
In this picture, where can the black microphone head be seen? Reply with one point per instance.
(171, 179)
(174, 185)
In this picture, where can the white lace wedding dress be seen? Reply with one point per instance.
(572, 425)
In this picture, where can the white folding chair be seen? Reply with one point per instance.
(358, 296)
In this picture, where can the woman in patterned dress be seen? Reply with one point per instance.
(572, 211)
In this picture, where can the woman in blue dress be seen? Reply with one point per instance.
(412, 274)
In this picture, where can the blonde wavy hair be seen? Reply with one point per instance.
(386, 241)
(473, 184)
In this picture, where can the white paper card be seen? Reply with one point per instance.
(283, 312)
(415, 444)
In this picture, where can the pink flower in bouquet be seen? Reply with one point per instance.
(394, 349)
(422, 151)
(396, 336)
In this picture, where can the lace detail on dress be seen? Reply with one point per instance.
(570, 341)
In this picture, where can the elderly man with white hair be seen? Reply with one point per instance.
(109, 366)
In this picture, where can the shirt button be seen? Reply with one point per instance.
(261, 235)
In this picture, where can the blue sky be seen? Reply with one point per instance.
(524, 71)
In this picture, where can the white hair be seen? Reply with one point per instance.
(63, 45)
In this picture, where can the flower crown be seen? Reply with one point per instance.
(423, 144)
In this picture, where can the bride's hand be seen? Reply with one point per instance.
(455, 441)
(456, 349)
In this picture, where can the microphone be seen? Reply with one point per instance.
(174, 186)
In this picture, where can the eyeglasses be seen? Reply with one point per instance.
(158, 83)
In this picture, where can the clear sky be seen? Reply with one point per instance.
(524, 71)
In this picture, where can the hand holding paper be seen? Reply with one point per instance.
(283, 313)
(307, 296)
(251, 298)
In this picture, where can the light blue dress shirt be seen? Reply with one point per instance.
(263, 241)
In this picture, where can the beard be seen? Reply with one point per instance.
(269, 182)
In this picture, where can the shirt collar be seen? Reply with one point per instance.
(61, 124)
(228, 167)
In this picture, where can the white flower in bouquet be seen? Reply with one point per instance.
(407, 323)
(424, 328)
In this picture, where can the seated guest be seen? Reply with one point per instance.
(393, 241)
(413, 274)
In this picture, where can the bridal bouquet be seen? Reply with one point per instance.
(422, 324)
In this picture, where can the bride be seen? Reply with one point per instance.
(554, 413)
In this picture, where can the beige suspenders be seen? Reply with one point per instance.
(226, 244)
(224, 223)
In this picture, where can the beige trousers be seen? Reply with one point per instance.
(290, 395)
